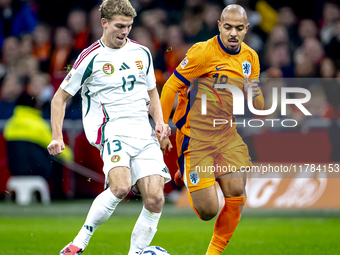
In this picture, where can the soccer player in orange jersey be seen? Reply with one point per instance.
(224, 59)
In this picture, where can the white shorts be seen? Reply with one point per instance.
(143, 156)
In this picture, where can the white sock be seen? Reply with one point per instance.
(101, 209)
(144, 231)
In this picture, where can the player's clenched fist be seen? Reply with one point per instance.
(253, 84)
(56, 147)
(163, 130)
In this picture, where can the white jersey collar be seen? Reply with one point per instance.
(114, 50)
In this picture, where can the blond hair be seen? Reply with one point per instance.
(109, 8)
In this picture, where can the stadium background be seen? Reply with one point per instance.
(294, 39)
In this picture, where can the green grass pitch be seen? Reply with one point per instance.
(43, 230)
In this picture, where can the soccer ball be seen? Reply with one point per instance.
(154, 250)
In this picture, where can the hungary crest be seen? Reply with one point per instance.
(108, 69)
(115, 158)
(139, 64)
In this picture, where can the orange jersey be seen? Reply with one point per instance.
(213, 64)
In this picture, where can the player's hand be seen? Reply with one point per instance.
(56, 147)
(163, 130)
(253, 84)
(165, 143)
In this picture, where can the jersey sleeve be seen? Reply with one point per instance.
(78, 74)
(150, 76)
(167, 99)
(148, 68)
(255, 72)
(192, 66)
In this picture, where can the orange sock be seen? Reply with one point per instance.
(226, 224)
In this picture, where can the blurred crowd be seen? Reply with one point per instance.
(40, 38)
(297, 41)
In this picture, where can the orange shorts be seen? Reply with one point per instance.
(201, 162)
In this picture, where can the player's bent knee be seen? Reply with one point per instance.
(120, 191)
(154, 203)
(208, 214)
(237, 191)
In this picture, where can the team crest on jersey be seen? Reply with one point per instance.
(108, 69)
(68, 77)
(246, 68)
(139, 64)
(184, 62)
(115, 158)
(194, 177)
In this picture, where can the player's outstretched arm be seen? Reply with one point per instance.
(167, 102)
(163, 130)
(58, 105)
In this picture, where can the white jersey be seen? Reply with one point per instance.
(115, 84)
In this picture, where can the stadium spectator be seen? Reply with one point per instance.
(278, 35)
(42, 45)
(318, 104)
(144, 5)
(26, 66)
(96, 30)
(26, 45)
(210, 18)
(175, 42)
(12, 87)
(333, 48)
(327, 68)
(61, 56)
(330, 14)
(308, 58)
(279, 57)
(307, 28)
(16, 19)
(41, 89)
(192, 19)
(278, 51)
(77, 23)
(286, 17)
(10, 52)
(154, 20)
(160, 43)
(150, 19)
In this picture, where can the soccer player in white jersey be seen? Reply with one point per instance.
(118, 85)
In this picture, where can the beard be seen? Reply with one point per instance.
(233, 49)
